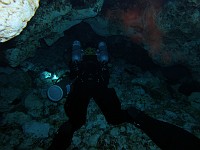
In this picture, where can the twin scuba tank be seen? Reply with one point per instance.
(78, 53)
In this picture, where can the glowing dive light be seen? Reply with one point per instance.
(55, 77)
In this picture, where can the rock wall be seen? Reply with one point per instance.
(52, 18)
(180, 23)
(14, 15)
(168, 29)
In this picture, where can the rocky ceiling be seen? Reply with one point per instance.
(168, 29)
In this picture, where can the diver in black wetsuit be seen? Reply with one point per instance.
(91, 77)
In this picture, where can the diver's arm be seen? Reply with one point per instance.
(165, 135)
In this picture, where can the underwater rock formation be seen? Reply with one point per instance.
(51, 20)
(14, 16)
(28, 120)
(168, 30)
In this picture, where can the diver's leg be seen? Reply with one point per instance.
(63, 137)
(110, 106)
(167, 136)
(76, 110)
(76, 107)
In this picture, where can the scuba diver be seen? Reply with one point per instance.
(90, 75)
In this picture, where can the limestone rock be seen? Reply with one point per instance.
(194, 99)
(49, 23)
(169, 31)
(179, 22)
(8, 96)
(34, 105)
(14, 87)
(14, 15)
(18, 118)
(15, 56)
(36, 129)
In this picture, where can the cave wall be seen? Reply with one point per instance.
(50, 21)
(168, 29)
(14, 16)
